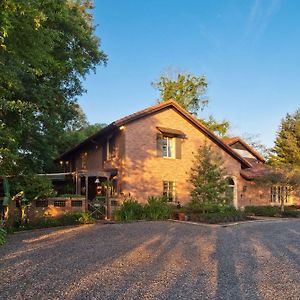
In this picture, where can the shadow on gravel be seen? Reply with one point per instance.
(153, 260)
(236, 266)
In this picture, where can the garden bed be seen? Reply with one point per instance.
(272, 211)
(218, 218)
(47, 222)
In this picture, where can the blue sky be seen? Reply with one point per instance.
(249, 50)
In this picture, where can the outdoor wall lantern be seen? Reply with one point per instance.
(97, 180)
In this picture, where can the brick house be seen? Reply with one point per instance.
(150, 153)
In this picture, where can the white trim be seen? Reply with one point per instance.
(235, 190)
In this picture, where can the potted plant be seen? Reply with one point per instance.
(179, 212)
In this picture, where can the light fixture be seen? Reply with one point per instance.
(122, 127)
(97, 180)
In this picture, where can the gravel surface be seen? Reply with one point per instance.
(154, 260)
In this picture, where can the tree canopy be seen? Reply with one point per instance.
(189, 91)
(46, 49)
(186, 89)
(287, 143)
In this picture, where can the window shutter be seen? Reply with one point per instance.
(178, 142)
(159, 145)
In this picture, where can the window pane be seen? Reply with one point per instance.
(165, 146)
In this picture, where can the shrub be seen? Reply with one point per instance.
(204, 208)
(266, 211)
(69, 219)
(2, 236)
(289, 213)
(130, 210)
(69, 196)
(34, 186)
(86, 218)
(43, 222)
(228, 208)
(218, 217)
(157, 208)
(64, 220)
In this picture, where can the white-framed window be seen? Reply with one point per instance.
(280, 194)
(168, 147)
(169, 190)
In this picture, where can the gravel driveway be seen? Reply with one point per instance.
(154, 260)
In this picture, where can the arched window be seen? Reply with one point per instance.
(229, 193)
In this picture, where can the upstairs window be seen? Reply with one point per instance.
(169, 190)
(110, 148)
(280, 194)
(168, 147)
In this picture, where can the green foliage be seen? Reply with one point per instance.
(272, 211)
(290, 213)
(266, 211)
(41, 222)
(72, 137)
(70, 196)
(207, 178)
(186, 89)
(157, 208)
(130, 210)
(207, 208)
(64, 220)
(219, 128)
(86, 218)
(2, 236)
(46, 49)
(218, 217)
(287, 143)
(35, 187)
(189, 92)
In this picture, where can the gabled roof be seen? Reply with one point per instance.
(232, 140)
(151, 110)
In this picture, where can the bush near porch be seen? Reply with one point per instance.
(157, 208)
(66, 219)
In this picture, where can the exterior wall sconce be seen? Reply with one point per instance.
(122, 127)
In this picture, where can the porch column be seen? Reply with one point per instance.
(77, 184)
(86, 191)
(108, 204)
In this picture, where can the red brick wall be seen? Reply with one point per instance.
(144, 172)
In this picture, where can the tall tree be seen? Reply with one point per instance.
(207, 177)
(73, 137)
(189, 91)
(287, 143)
(186, 89)
(46, 49)
(219, 128)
